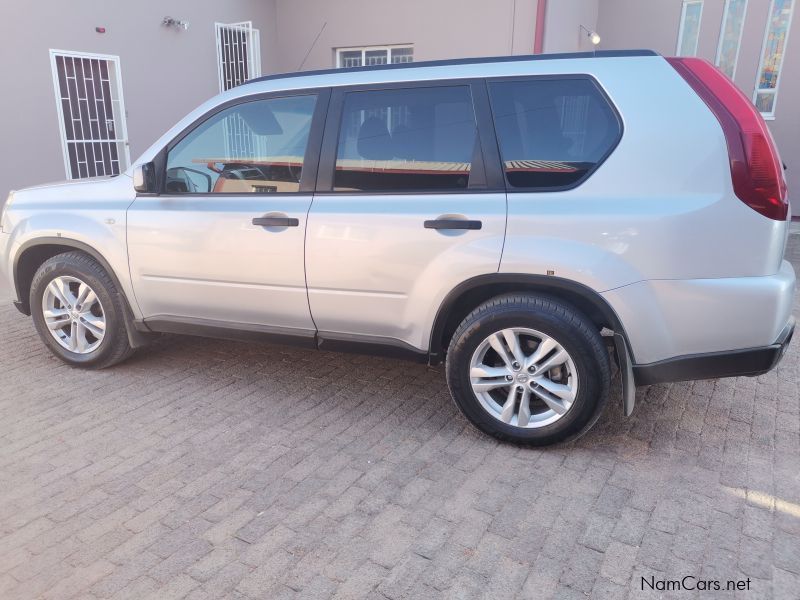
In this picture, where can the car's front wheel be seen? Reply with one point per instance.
(78, 311)
(528, 369)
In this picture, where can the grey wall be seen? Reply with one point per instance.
(562, 32)
(654, 24)
(165, 73)
(438, 29)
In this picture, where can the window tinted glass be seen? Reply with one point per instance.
(255, 147)
(551, 131)
(777, 34)
(689, 33)
(421, 138)
(731, 36)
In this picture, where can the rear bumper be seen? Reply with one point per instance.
(733, 363)
(667, 319)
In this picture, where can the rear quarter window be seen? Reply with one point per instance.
(553, 132)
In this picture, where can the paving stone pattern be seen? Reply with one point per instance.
(207, 469)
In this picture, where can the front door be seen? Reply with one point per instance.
(222, 244)
(406, 209)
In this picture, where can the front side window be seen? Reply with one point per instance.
(254, 147)
(689, 32)
(775, 39)
(552, 132)
(406, 139)
(731, 36)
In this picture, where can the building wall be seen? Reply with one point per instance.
(654, 24)
(165, 72)
(438, 30)
(563, 18)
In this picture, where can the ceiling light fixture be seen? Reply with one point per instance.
(176, 23)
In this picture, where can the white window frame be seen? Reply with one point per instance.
(685, 4)
(770, 116)
(121, 127)
(253, 56)
(365, 49)
(738, 35)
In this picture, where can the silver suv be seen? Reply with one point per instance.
(522, 219)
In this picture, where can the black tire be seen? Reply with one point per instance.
(570, 328)
(114, 347)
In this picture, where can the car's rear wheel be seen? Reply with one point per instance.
(78, 311)
(528, 369)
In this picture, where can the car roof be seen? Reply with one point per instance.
(454, 62)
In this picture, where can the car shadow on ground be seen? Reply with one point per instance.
(380, 380)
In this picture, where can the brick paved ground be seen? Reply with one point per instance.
(216, 469)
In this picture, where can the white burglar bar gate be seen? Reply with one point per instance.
(238, 59)
(91, 113)
(238, 53)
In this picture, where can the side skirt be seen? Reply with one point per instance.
(305, 338)
(247, 332)
(372, 345)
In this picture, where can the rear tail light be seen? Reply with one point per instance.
(756, 168)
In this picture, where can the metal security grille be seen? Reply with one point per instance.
(373, 55)
(91, 113)
(238, 53)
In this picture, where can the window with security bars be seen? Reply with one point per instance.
(238, 53)
(374, 55)
(90, 113)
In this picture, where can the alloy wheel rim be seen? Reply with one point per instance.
(73, 314)
(523, 377)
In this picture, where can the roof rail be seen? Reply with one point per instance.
(461, 61)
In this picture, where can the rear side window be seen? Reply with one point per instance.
(406, 139)
(552, 132)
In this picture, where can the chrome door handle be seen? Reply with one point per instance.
(452, 224)
(276, 222)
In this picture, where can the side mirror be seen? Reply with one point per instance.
(144, 179)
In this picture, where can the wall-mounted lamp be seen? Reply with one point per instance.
(176, 23)
(593, 36)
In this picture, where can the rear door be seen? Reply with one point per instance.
(409, 203)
